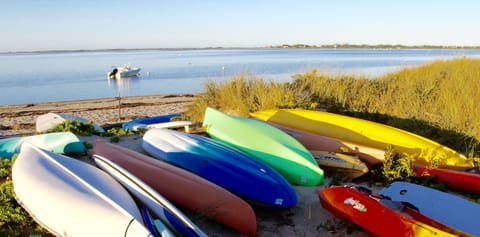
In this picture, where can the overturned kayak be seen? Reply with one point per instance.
(72, 198)
(179, 186)
(266, 143)
(59, 142)
(223, 165)
(48, 121)
(152, 200)
(368, 133)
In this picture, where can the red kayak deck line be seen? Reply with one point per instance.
(180, 186)
(456, 180)
(351, 205)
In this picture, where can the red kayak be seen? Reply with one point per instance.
(360, 208)
(183, 188)
(456, 180)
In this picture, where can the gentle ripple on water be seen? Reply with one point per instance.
(58, 76)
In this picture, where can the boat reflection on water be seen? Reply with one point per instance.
(122, 84)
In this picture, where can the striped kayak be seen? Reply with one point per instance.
(72, 198)
(358, 207)
(152, 200)
(179, 186)
(48, 121)
(143, 123)
(368, 133)
(60, 142)
(448, 209)
(223, 165)
(266, 143)
(341, 165)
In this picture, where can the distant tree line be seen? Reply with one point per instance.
(376, 46)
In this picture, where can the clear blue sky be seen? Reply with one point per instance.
(97, 24)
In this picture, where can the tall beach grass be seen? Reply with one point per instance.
(438, 100)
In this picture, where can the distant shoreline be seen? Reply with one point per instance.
(283, 46)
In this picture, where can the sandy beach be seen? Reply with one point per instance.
(20, 119)
(307, 218)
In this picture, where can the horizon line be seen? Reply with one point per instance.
(284, 46)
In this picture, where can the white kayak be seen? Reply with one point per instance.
(48, 121)
(155, 202)
(172, 124)
(69, 197)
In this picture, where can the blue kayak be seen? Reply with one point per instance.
(239, 173)
(144, 122)
(448, 209)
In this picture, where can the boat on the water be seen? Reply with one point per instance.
(125, 71)
(69, 197)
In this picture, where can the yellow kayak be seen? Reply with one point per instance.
(338, 164)
(370, 134)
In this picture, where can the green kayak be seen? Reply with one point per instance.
(266, 143)
(59, 142)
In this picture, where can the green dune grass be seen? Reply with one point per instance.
(437, 100)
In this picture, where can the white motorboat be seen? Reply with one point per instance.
(125, 71)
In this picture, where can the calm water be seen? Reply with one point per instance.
(43, 77)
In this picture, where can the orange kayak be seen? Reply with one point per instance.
(183, 188)
(358, 207)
